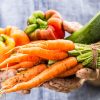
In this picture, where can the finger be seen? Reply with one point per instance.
(87, 74)
(96, 82)
(71, 26)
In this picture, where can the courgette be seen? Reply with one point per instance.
(89, 33)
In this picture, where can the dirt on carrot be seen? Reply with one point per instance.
(23, 76)
(51, 72)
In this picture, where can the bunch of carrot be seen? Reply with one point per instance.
(34, 58)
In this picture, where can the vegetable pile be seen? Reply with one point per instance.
(40, 52)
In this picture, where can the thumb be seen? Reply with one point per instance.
(71, 26)
(87, 74)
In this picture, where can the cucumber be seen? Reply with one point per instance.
(90, 33)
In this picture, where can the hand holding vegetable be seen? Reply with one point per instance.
(61, 63)
(89, 33)
(60, 84)
(84, 35)
(71, 27)
(61, 68)
(69, 84)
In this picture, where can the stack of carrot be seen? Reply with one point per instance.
(35, 62)
(34, 58)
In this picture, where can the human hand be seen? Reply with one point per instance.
(71, 83)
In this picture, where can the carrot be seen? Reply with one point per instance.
(51, 72)
(71, 71)
(44, 53)
(23, 76)
(37, 41)
(12, 59)
(15, 49)
(25, 64)
(6, 67)
(33, 44)
(15, 58)
(7, 54)
(60, 44)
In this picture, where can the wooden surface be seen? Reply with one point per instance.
(15, 12)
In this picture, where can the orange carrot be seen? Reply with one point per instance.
(25, 64)
(44, 53)
(71, 71)
(7, 54)
(18, 57)
(15, 49)
(51, 72)
(12, 59)
(63, 45)
(23, 76)
(33, 44)
(60, 44)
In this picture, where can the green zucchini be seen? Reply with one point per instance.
(90, 33)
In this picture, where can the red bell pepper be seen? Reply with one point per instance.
(52, 14)
(45, 26)
(57, 24)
